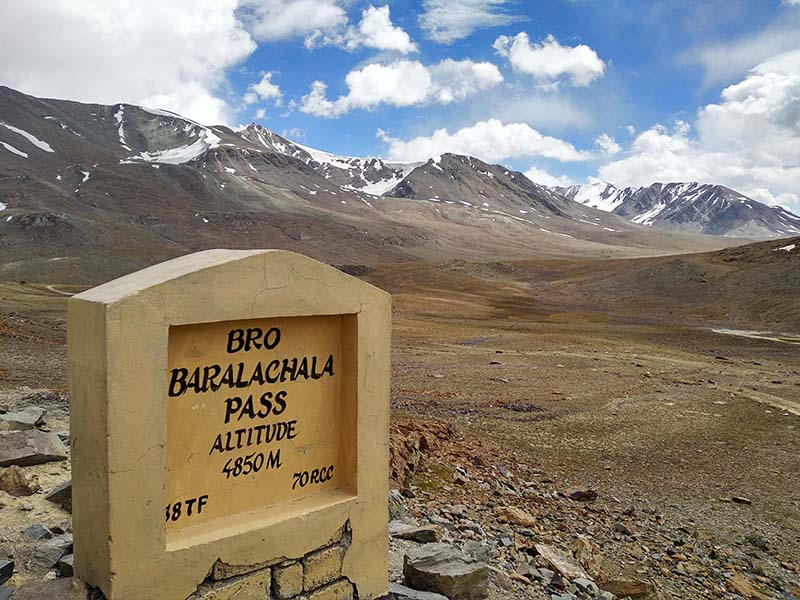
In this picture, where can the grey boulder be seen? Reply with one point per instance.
(61, 495)
(23, 419)
(443, 569)
(63, 589)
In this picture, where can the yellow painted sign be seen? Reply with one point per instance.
(254, 415)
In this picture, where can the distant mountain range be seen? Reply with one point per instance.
(89, 191)
(696, 207)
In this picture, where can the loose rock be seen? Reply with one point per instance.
(66, 565)
(49, 553)
(425, 535)
(30, 448)
(560, 562)
(739, 584)
(627, 587)
(16, 482)
(6, 570)
(581, 494)
(38, 532)
(21, 420)
(401, 592)
(63, 589)
(61, 495)
(515, 515)
(445, 570)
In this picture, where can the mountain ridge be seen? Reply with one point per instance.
(688, 206)
(92, 191)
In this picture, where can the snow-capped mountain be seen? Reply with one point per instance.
(368, 175)
(693, 207)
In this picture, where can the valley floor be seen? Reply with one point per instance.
(659, 414)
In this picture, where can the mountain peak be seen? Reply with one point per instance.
(688, 206)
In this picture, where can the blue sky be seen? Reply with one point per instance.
(569, 91)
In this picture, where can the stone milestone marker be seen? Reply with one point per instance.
(229, 417)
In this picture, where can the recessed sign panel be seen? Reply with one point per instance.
(254, 415)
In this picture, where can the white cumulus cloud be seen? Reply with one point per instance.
(316, 102)
(400, 83)
(276, 20)
(549, 62)
(96, 51)
(264, 89)
(454, 80)
(490, 140)
(749, 140)
(446, 21)
(403, 83)
(607, 145)
(377, 31)
(330, 26)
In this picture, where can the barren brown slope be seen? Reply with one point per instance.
(756, 286)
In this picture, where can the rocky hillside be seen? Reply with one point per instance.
(753, 285)
(493, 189)
(693, 207)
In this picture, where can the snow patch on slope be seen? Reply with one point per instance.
(380, 187)
(648, 217)
(602, 196)
(121, 131)
(28, 136)
(13, 150)
(182, 154)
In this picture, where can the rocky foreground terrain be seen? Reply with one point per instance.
(549, 439)
(470, 520)
(540, 539)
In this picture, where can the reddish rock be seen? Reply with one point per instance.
(16, 482)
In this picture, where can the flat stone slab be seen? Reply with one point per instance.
(21, 420)
(30, 447)
(559, 561)
(445, 570)
(63, 589)
(47, 554)
(426, 534)
(401, 592)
